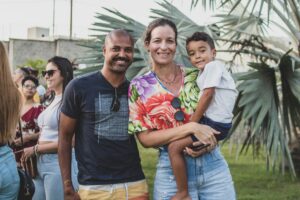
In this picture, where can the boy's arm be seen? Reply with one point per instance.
(203, 104)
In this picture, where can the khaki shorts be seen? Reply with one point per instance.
(137, 190)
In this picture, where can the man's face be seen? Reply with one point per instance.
(118, 53)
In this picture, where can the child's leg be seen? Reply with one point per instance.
(175, 150)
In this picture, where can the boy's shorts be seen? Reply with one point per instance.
(223, 128)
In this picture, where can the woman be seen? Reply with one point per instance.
(10, 104)
(29, 114)
(48, 183)
(161, 104)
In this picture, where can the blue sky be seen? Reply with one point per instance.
(17, 15)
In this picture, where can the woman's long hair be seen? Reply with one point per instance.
(66, 71)
(10, 99)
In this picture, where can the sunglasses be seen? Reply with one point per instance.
(48, 72)
(115, 104)
(176, 103)
(29, 86)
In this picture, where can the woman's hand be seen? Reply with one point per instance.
(17, 142)
(206, 135)
(26, 138)
(28, 152)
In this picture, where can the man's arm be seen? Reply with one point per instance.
(66, 131)
(203, 104)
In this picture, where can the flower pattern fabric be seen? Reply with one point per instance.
(29, 126)
(150, 102)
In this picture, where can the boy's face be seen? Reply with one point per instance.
(200, 53)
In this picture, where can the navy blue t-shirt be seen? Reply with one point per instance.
(105, 152)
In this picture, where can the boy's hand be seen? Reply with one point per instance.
(198, 149)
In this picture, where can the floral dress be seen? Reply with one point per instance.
(150, 102)
(29, 126)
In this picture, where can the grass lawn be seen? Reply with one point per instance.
(251, 179)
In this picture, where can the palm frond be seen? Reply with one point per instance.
(258, 106)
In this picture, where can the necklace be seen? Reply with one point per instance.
(167, 82)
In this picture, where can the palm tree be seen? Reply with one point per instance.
(268, 106)
(269, 100)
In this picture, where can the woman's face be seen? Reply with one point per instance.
(162, 45)
(53, 78)
(28, 89)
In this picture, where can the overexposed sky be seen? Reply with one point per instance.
(18, 15)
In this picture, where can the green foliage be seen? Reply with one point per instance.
(37, 64)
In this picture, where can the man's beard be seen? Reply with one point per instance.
(117, 68)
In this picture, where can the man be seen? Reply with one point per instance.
(95, 108)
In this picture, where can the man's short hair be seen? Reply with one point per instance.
(201, 36)
(119, 32)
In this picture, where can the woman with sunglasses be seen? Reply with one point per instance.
(48, 183)
(161, 104)
(29, 114)
(10, 105)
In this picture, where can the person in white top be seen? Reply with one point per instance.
(217, 98)
(48, 183)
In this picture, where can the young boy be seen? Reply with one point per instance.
(218, 95)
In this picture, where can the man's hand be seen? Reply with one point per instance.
(69, 193)
(72, 196)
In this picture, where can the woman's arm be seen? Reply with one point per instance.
(50, 147)
(26, 138)
(161, 137)
(29, 137)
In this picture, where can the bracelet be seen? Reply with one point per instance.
(68, 181)
(36, 150)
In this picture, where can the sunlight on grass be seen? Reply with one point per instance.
(252, 181)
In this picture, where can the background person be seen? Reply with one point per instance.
(40, 90)
(29, 114)
(10, 105)
(48, 183)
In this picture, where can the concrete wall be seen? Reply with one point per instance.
(20, 50)
(70, 49)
